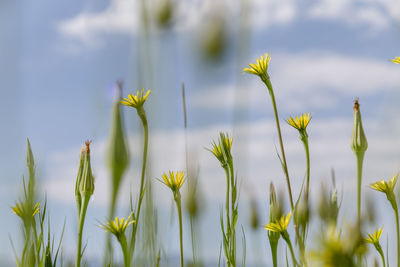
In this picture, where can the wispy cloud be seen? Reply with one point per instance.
(315, 80)
(123, 16)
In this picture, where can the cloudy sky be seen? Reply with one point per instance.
(60, 60)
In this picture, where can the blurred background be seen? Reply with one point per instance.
(59, 61)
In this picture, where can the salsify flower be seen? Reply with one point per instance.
(118, 226)
(279, 225)
(23, 211)
(222, 149)
(136, 101)
(173, 181)
(260, 68)
(374, 237)
(300, 122)
(396, 60)
(374, 240)
(385, 187)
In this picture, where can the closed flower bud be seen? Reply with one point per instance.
(79, 178)
(30, 162)
(86, 185)
(359, 142)
(118, 156)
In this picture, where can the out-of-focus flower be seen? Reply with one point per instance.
(396, 60)
(136, 101)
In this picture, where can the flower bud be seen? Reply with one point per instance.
(79, 178)
(118, 156)
(30, 162)
(86, 185)
(359, 142)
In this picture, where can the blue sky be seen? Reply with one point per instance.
(59, 62)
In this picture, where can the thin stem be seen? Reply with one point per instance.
(360, 159)
(143, 118)
(125, 252)
(382, 256)
(179, 208)
(396, 214)
(271, 92)
(274, 251)
(285, 170)
(233, 203)
(109, 249)
(82, 216)
(286, 237)
(227, 201)
(193, 237)
(307, 150)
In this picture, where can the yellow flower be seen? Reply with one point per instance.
(118, 226)
(279, 225)
(396, 60)
(137, 100)
(260, 68)
(173, 181)
(300, 122)
(222, 150)
(23, 211)
(374, 237)
(385, 187)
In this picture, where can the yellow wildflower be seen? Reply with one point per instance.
(23, 211)
(300, 122)
(137, 100)
(173, 181)
(279, 225)
(374, 237)
(385, 187)
(222, 150)
(118, 226)
(396, 60)
(260, 68)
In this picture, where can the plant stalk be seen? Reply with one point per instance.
(396, 214)
(179, 208)
(82, 216)
(143, 118)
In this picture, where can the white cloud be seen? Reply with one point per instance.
(123, 16)
(306, 80)
(377, 14)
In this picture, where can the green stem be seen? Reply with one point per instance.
(307, 150)
(109, 249)
(267, 82)
(380, 251)
(179, 208)
(193, 237)
(286, 237)
(360, 159)
(274, 251)
(143, 118)
(227, 202)
(396, 214)
(125, 251)
(271, 92)
(82, 216)
(233, 204)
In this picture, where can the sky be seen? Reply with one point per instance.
(60, 60)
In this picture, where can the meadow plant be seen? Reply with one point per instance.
(222, 151)
(175, 181)
(359, 145)
(374, 240)
(388, 189)
(137, 101)
(86, 190)
(117, 227)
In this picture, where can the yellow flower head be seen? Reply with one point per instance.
(279, 225)
(300, 122)
(396, 60)
(173, 181)
(385, 187)
(118, 226)
(222, 150)
(135, 101)
(260, 68)
(374, 237)
(23, 211)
